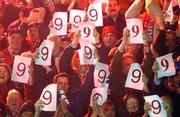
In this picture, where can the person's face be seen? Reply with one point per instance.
(33, 34)
(113, 8)
(14, 102)
(109, 111)
(15, 41)
(63, 84)
(170, 39)
(126, 64)
(109, 39)
(27, 114)
(132, 105)
(4, 76)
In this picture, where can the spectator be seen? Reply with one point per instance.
(114, 18)
(106, 110)
(5, 84)
(133, 104)
(33, 36)
(15, 42)
(14, 101)
(27, 109)
(167, 105)
(118, 76)
(106, 44)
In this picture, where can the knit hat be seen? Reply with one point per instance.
(109, 29)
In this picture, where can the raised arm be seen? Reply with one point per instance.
(67, 55)
(116, 61)
(134, 9)
(147, 65)
(154, 9)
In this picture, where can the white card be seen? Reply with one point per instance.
(76, 17)
(59, 24)
(87, 54)
(101, 95)
(20, 72)
(87, 32)
(101, 73)
(157, 109)
(95, 14)
(134, 77)
(63, 96)
(49, 97)
(169, 13)
(166, 65)
(45, 53)
(135, 26)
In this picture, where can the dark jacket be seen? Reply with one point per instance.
(79, 94)
(117, 81)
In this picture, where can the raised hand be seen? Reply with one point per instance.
(155, 67)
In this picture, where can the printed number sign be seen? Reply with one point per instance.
(134, 77)
(49, 97)
(76, 17)
(86, 54)
(45, 53)
(166, 66)
(101, 74)
(157, 109)
(20, 71)
(135, 26)
(59, 23)
(95, 14)
(99, 93)
(87, 32)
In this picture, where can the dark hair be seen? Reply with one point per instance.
(63, 74)
(130, 95)
(27, 106)
(15, 30)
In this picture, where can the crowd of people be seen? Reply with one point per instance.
(25, 24)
